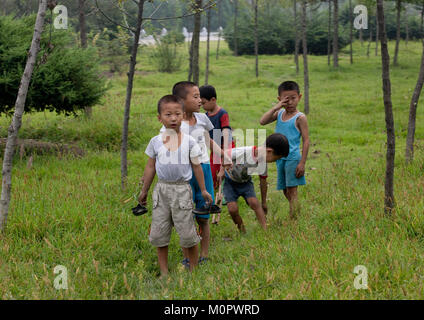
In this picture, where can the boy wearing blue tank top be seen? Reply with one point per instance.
(293, 124)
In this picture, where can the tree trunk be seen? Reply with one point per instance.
(133, 62)
(329, 34)
(409, 155)
(361, 37)
(256, 40)
(398, 8)
(406, 27)
(351, 31)
(235, 28)
(376, 36)
(190, 69)
(208, 47)
(296, 38)
(421, 20)
(305, 58)
(219, 30)
(17, 117)
(336, 35)
(83, 36)
(389, 200)
(369, 43)
(196, 41)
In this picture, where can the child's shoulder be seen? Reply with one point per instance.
(203, 120)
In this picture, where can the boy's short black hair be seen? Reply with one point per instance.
(180, 88)
(208, 92)
(279, 144)
(288, 86)
(169, 99)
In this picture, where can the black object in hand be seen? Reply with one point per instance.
(139, 210)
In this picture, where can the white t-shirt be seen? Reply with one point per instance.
(245, 164)
(173, 166)
(198, 131)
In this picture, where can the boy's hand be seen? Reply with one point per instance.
(281, 104)
(142, 199)
(207, 197)
(221, 173)
(300, 170)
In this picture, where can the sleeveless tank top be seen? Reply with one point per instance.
(288, 128)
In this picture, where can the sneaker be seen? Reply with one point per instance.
(186, 263)
(203, 260)
(139, 210)
(215, 209)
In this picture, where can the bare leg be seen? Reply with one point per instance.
(193, 255)
(234, 212)
(163, 260)
(205, 234)
(294, 203)
(260, 214)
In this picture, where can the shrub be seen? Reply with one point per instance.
(165, 55)
(65, 79)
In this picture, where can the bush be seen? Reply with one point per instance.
(65, 79)
(165, 55)
(114, 48)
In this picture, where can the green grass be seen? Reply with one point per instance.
(71, 212)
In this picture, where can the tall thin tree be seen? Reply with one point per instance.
(296, 37)
(208, 46)
(305, 57)
(377, 32)
(409, 154)
(256, 38)
(13, 130)
(219, 30)
(83, 38)
(235, 27)
(130, 84)
(389, 200)
(369, 42)
(398, 10)
(351, 31)
(336, 34)
(196, 40)
(329, 34)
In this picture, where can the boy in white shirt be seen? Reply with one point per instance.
(174, 157)
(248, 161)
(198, 126)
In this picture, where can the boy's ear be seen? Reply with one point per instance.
(300, 96)
(279, 98)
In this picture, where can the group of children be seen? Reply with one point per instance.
(187, 174)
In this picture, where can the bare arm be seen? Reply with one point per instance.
(272, 114)
(227, 143)
(216, 149)
(148, 176)
(304, 130)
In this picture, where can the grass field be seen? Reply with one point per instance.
(71, 212)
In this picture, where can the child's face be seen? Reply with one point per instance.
(209, 105)
(270, 156)
(171, 116)
(291, 100)
(192, 101)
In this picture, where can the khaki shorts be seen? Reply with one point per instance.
(173, 206)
